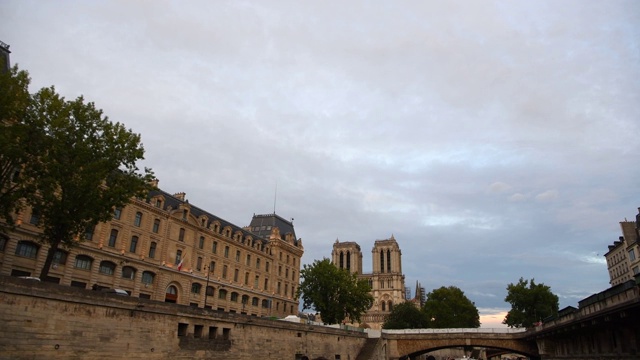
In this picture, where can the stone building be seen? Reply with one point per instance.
(623, 257)
(386, 279)
(163, 248)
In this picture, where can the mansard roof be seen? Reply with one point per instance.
(261, 225)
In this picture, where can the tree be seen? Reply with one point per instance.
(18, 142)
(530, 303)
(448, 307)
(85, 168)
(335, 293)
(406, 316)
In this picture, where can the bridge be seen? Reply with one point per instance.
(410, 343)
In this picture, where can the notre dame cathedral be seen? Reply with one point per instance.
(386, 279)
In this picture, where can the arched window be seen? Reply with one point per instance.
(148, 277)
(112, 238)
(27, 249)
(196, 287)
(390, 305)
(138, 219)
(60, 257)
(210, 290)
(255, 301)
(152, 249)
(348, 260)
(383, 306)
(222, 294)
(107, 267)
(265, 303)
(234, 296)
(83, 262)
(245, 299)
(128, 272)
(381, 261)
(134, 244)
(171, 295)
(341, 260)
(388, 260)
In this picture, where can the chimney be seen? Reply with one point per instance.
(180, 196)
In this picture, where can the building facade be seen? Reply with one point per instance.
(163, 248)
(386, 279)
(623, 257)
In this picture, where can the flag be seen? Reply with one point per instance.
(180, 265)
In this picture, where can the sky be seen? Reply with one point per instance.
(493, 139)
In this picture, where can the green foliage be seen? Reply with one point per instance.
(406, 316)
(448, 307)
(530, 303)
(333, 292)
(74, 165)
(18, 142)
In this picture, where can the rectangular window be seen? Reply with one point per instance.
(238, 255)
(88, 233)
(266, 267)
(226, 251)
(212, 267)
(35, 218)
(258, 263)
(134, 244)
(266, 284)
(117, 213)
(246, 278)
(224, 271)
(138, 219)
(199, 264)
(256, 282)
(214, 247)
(156, 226)
(181, 235)
(112, 238)
(201, 242)
(632, 255)
(235, 275)
(248, 260)
(152, 250)
(212, 332)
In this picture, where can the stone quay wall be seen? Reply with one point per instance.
(49, 321)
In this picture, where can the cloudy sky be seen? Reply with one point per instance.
(493, 139)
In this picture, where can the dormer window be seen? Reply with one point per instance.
(184, 214)
(159, 203)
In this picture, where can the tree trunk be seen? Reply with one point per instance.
(44, 273)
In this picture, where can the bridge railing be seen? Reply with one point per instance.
(456, 330)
